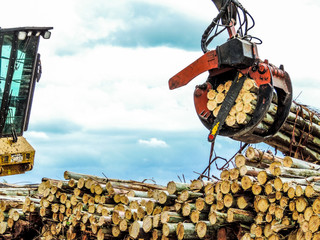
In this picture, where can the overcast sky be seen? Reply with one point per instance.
(103, 104)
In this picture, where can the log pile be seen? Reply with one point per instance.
(286, 195)
(263, 197)
(299, 136)
(90, 207)
(19, 207)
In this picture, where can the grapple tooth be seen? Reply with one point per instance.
(204, 114)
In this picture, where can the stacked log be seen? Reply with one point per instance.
(298, 137)
(286, 195)
(91, 207)
(18, 211)
(263, 197)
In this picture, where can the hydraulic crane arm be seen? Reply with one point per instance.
(230, 11)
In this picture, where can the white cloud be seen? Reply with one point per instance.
(37, 135)
(153, 142)
(113, 91)
(106, 87)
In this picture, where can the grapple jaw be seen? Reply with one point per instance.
(267, 94)
(233, 60)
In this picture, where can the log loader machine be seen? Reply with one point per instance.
(20, 69)
(237, 59)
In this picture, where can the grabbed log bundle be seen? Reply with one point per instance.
(299, 136)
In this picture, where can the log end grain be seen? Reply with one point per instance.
(201, 229)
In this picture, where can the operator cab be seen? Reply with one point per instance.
(20, 69)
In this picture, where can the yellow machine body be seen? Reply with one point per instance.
(20, 70)
(15, 157)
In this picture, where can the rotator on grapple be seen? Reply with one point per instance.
(236, 60)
